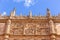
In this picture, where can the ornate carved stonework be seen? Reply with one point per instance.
(57, 28)
(42, 29)
(29, 27)
(16, 29)
(2, 27)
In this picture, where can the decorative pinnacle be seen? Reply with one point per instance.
(13, 12)
(48, 12)
(30, 14)
(48, 9)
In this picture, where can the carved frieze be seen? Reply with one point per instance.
(29, 29)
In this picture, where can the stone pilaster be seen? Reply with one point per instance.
(6, 37)
(13, 12)
(52, 30)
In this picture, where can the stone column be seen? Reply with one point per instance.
(52, 30)
(6, 37)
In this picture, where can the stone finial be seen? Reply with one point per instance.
(13, 12)
(48, 12)
(30, 14)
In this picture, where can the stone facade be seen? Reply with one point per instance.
(29, 27)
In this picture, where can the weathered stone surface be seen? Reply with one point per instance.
(2, 27)
(17, 29)
(29, 27)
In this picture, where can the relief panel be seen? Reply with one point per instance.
(57, 28)
(2, 28)
(42, 31)
(29, 29)
(16, 29)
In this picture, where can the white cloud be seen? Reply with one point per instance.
(4, 13)
(28, 3)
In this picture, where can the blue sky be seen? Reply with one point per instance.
(38, 7)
